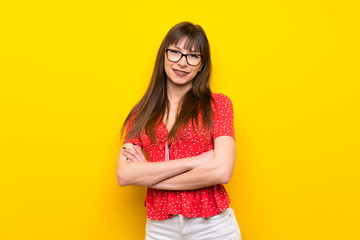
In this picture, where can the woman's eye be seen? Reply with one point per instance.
(173, 51)
(194, 56)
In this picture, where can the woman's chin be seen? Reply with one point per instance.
(180, 81)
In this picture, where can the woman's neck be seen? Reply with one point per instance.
(176, 92)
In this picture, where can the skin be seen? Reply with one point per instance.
(177, 86)
(207, 169)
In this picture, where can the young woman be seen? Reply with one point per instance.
(187, 133)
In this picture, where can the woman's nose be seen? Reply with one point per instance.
(182, 61)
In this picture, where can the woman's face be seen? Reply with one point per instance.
(181, 73)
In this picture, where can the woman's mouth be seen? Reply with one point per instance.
(180, 73)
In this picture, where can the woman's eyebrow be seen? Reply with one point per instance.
(181, 49)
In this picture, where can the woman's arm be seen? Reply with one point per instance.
(217, 171)
(139, 172)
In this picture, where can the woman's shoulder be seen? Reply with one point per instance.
(220, 98)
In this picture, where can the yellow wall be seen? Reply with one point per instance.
(71, 70)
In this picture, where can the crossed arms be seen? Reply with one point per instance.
(207, 169)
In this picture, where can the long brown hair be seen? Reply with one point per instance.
(155, 104)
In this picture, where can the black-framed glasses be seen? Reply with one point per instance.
(175, 56)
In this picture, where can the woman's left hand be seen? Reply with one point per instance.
(134, 154)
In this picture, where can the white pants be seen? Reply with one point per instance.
(219, 227)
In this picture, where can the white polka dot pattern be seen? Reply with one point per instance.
(203, 202)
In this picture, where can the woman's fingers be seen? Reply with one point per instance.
(130, 155)
(140, 152)
(134, 154)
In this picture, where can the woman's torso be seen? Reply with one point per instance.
(192, 141)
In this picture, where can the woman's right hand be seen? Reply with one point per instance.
(203, 158)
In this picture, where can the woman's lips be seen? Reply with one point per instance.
(180, 73)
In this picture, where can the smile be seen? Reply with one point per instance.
(180, 73)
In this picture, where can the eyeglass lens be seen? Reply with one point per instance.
(175, 56)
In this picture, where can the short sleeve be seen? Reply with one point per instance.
(135, 140)
(224, 116)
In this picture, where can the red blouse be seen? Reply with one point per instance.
(202, 202)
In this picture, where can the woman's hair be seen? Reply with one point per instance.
(147, 114)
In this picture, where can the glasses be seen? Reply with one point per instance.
(175, 56)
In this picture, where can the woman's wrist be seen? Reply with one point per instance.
(193, 162)
(190, 163)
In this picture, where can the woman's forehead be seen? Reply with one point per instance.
(187, 43)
